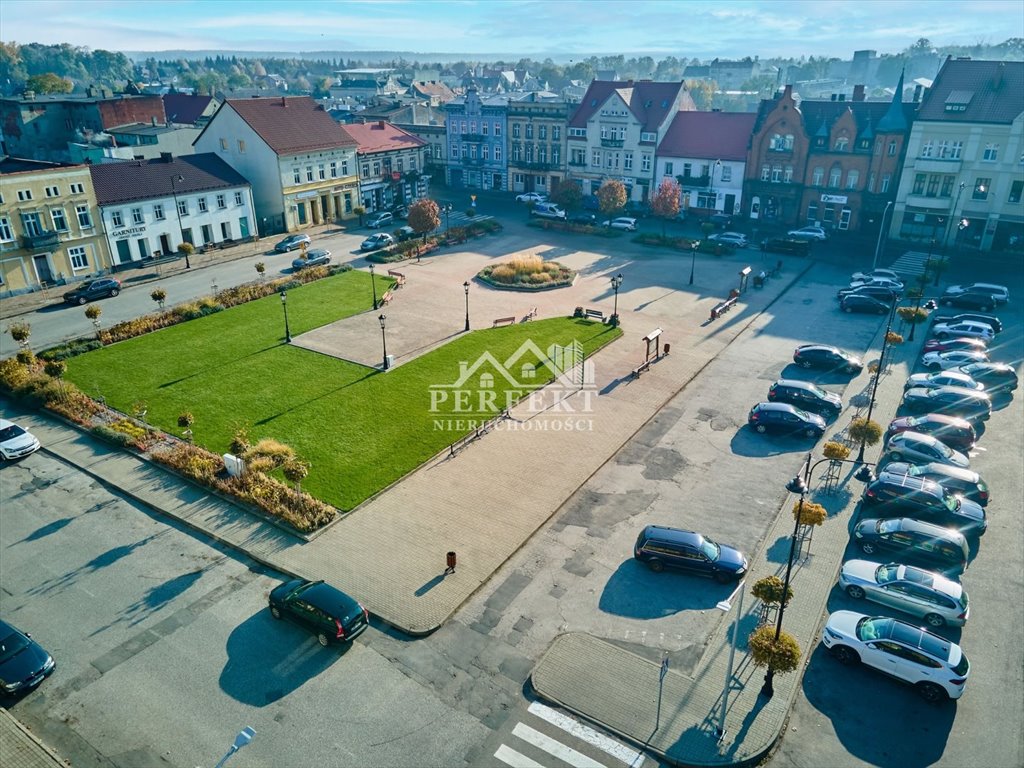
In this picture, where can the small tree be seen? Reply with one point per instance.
(569, 195)
(769, 590)
(56, 369)
(159, 296)
(295, 471)
(359, 211)
(186, 249)
(809, 513)
(893, 338)
(665, 201)
(20, 332)
(93, 312)
(864, 431)
(185, 421)
(240, 443)
(261, 270)
(912, 315)
(424, 217)
(836, 451)
(782, 655)
(611, 197)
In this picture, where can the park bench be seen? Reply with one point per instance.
(399, 278)
(503, 321)
(723, 306)
(594, 314)
(532, 314)
(386, 298)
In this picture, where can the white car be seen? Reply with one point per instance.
(16, 441)
(623, 222)
(886, 273)
(942, 361)
(965, 328)
(883, 282)
(735, 239)
(808, 233)
(531, 197)
(998, 292)
(935, 666)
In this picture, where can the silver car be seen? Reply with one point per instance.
(317, 257)
(942, 379)
(920, 593)
(918, 448)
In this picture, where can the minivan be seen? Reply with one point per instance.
(661, 547)
(379, 219)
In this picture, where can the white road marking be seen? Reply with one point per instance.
(509, 756)
(575, 728)
(554, 748)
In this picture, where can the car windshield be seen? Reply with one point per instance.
(12, 645)
(943, 450)
(886, 573)
(869, 629)
(710, 549)
(888, 526)
(951, 502)
(11, 432)
(802, 414)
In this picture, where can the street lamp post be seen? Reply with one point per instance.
(616, 282)
(711, 186)
(725, 606)
(177, 177)
(465, 287)
(919, 291)
(447, 210)
(373, 286)
(284, 303)
(241, 740)
(878, 375)
(693, 257)
(384, 339)
(881, 234)
(952, 215)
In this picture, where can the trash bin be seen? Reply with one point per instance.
(450, 562)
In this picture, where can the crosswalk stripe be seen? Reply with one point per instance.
(509, 756)
(555, 748)
(614, 748)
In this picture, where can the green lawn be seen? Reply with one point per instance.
(359, 429)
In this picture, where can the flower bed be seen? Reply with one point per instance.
(573, 226)
(527, 273)
(676, 243)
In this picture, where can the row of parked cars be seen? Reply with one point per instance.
(927, 506)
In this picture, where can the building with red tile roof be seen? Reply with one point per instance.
(390, 163)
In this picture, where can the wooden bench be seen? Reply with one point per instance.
(399, 278)
(722, 307)
(644, 366)
(594, 314)
(386, 298)
(503, 321)
(532, 314)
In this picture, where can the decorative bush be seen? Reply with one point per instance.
(159, 296)
(782, 656)
(810, 514)
(186, 248)
(93, 312)
(893, 338)
(261, 268)
(526, 272)
(836, 451)
(55, 368)
(20, 332)
(269, 449)
(862, 430)
(13, 374)
(75, 406)
(112, 435)
(186, 420)
(70, 349)
(770, 590)
(25, 357)
(912, 315)
(240, 443)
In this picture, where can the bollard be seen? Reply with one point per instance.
(450, 562)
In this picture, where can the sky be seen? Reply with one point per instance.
(562, 29)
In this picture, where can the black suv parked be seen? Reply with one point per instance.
(925, 500)
(805, 395)
(661, 547)
(785, 418)
(786, 245)
(327, 612)
(827, 357)
(99, 288)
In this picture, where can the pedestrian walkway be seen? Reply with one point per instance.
(19, 748)
(911, 263)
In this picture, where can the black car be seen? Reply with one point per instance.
(661, 547)
(582, 217)
(99, 288)
(969, 300)
(991, 321)
(786, 245)
(786, 419)
(914, 540)
(925, 500)
(955, 432)
(327, 612)
(829, 358)
(806, 395)
(863, 304)
(954, 401)
(882, 293)
(965, 482)
(23, 662)
(996, 377)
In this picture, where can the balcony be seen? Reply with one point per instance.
(472, 161)
(473, 138)
(578, 163)
(534, 166)
(933, 165)
(613, 143)
(697, 182)
(44, 239)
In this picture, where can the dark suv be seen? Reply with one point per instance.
(661, 547)
(99, 288)
(786, 419)
(805, 395)
(827, 357)
(924, 500)
(786, 245)
(914, 540)
(327, 612)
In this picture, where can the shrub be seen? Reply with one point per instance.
(13, 374)
(70, 349)
(770, 590)
(186, 248)
(261, 268)
(75, 406)
(159, 296)
(93, 311)
(111, 435)
(782, 656)
(131, 429)
(25, 357)
(191, 461)
(240, 443)
(20, 332)
(186, 420)
(273, 450)
(893, 338)
(836, 451)
(862, 430)
(912, 315)
(55, 368)
(810, 514)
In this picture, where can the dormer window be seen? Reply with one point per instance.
(842, 144)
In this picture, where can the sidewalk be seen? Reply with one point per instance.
(578, 671)
(19, 748)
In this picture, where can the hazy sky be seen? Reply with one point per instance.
(683, 28)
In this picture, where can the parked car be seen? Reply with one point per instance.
(963, 329)
(735, 239)
(531, 197)
(721, 220)
(591, 203)
(637, 209)
(827, 357)
(792, 245)
(661, 547)
(951, 378)
(326, 611)
(808, 233)
(623, 222)
(379, 220)
(400, 212)
(24, 664)
(921, 449)
(935, 667)
(955, 432)
(880, 293)
(996, 377)
(404, 233)
(991, 321)
(886, 273)
(863, 305)
(547, 211)
(925, 594)
(786, 419)
(952, 345)
(884, 282)
(90, 290)
(16, 441)
(377, 240)
(980, 301)
(966, 482)
(914, 540)
(582, 217)
(955, 401)
(1000, 292)
(805, 395)
(925, 500)
(317, 257)
(292, 242)
(943, 361)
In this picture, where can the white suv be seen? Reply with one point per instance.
(936, 667)
(963, 329)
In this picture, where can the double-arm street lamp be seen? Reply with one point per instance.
(878, 374)
(284, 303)
(177, 177)
(465, 286)
(616, 282)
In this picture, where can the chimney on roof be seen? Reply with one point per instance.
(918, 89)
(858, 93)
(380, 124)
(166, 157)
(153, 119)
(842, 97)
(284, 102)
(835, 97)
(788, 91)
(629, 83)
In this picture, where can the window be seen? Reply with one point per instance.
(556, 155)
(497, 129)
(137, 217)
(956, 150)
(321, 171)
(222, 202)
(296, 175)
(485, 152)
(787, 174)
(833, 177)
(60, 221)
(225, 230)
(158, 212)
(947, 186)
(871, 183)
(892, 149)
(201, 203)
(517, 154)
(309, 173)
(933, 185)
(472, 126)
(776, 174)
(455, 156)
(6, 232)
(241, 146)
(927, 148)
(595, 158)
(766, 172)
(1015, 192)
(852, 179)
(726, 173)
(84, 217)
(462, 126)
(812, 212)
(627, 161)
(991, 153)
(52, 192)
(919, 182)
(483, 129)
(885, 183)
(542, 154)
(943, 150)
(334, 169)
(116, 220)
(183, 207)
(376, 167)
(78, 258)
(529, 131)
(344, 164)
(366, 166)
(31, 224)
(223, 145)
(556, 133)
(842, 144)
(668, 169)
(472, 152)
(24, 194)
(645, 162)
(497, 154)
(515, 131)
(775, 142)
(581, 132)
(542, 132)
(981, 188)
(77, 189)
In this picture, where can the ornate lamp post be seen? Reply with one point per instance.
(616, 282)
(284, 303)
(952, 215)
(881, 234)
(465, 287)
(177, 177)
(384, 339)
(373, 286)
(693, 257)
(878, 375)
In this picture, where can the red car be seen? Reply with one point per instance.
(950, 345)
(955, 432)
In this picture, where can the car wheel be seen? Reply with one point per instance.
(805, 363)
(934, 366)
(845, 655)
(114, 292)
(942, 336)
(323, 639)
(656, 565)
(275, 612)
(81, 300)
(847, 310)
(761, 428)
(895, 456)
(857, 593)
(867, 548)
(931, 693)
(935, 620)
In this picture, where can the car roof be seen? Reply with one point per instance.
(826, 347)
(795, 383)
(922, 484)
(324, 596)
(677, 535)
(938, 531)
(777, 407)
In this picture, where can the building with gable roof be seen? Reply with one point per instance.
(300, 161)
(391, 163)
(536, 138)
(963, 180)
(428, 123)
(476, 141)
(615, 132)
(189, 109)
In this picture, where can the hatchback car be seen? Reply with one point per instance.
(914, 540)
(1000, 292)
(808, 233)
(735, 239)
(405, 233)
(991, 321)
(623, 222)
(966, 482)
(380, 219)
(955, 432)
(791, 245)
(924, 594)
(326, 611)
(951, 378)
(886, 273)
(921, 449)
(378, 240)
(971, 300)
(531, 197)
(292, 242)
(963, 329)
(997, 377)
(661, 547)
(100, 288)
(953, 345)
(934, 666)
(785, 419)
(24, 663)
(317, 257)
(829, 358)
(943, 361)
(882, 293)
(807, 396)
(955, 401)
(925, 500)
(864, 305)
(16, 441)
(582, 217)
(883, 282)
